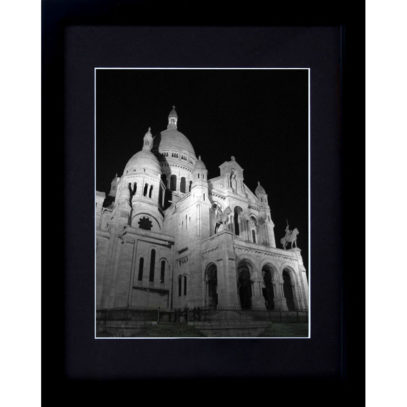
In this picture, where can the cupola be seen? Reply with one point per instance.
(113, 186)
(199, 165)
(172, 119)
(260, 193)
(148, 140)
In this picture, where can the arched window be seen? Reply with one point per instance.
(140, 269)
(151, 191)
(152, 265)
(173, 182)
(185, 285)
(145, 189)
(236, 219)
(183, 185)
(254, 236)
(162, 273)
(190, 186)
(179, 286)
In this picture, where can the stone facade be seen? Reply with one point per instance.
(168, 237)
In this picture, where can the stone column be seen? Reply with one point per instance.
(257, 295)
(280, 303)
(296, 295)
(231, 224)
(270, 233)
(304, 288)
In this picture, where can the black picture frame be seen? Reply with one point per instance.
(69, 365)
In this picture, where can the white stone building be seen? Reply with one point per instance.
(169, 237)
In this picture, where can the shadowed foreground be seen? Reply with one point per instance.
(286, 329)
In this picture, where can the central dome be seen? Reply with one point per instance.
(173, 140)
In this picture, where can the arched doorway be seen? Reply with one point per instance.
(244, 285)
(212, 286)
(288, 290)
(268, 289)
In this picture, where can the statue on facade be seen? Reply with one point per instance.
(290, 237)
(233, 181)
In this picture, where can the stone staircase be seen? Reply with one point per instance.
(122, 328)
(232, 328)
(211, 323)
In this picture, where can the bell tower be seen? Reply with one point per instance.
(200, 197)
(266, 229)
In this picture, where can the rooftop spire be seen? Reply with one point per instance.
(172, 119)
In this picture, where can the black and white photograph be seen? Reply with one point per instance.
(202, 203)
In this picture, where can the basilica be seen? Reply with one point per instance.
(170, 237)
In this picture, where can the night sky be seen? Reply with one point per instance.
(259, 116)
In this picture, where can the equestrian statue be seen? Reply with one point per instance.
(290, 237)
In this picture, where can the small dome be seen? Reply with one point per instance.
(259, 189)
(199, 165)
(143, 160)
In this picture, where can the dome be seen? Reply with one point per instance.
(173, 140)
(259, 190)
(199, 165)
(143, 160)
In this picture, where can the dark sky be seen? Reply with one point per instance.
(259, 116)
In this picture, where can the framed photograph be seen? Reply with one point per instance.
(211, 177)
